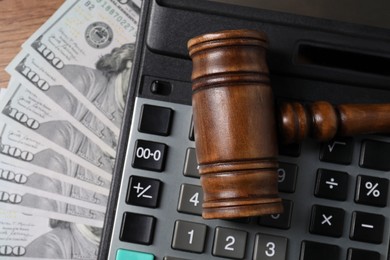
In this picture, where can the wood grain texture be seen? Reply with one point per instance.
(324, 121)
(18, 20)
(234, 123)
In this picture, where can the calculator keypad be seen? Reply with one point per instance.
(336, 193)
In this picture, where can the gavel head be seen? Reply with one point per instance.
(234, 123)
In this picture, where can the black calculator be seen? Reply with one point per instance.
(335, 194)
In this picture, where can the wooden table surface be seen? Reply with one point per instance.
(18, 20)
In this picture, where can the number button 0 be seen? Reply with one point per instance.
(270, 247)
(229, 243)
(190, 199)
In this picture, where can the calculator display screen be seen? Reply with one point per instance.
(373, 13)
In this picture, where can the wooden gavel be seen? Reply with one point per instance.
(236, 126)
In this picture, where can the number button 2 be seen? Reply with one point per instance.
(270, 247)
(229, 243)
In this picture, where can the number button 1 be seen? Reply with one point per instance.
(189, 236)
(270, 247)
(229, 243)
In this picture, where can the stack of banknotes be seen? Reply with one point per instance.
(59, 126)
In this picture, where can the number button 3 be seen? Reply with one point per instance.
(229, 243)
(270, 247)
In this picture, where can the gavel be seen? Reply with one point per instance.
(236, 124)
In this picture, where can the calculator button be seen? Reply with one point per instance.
(229, 243)
(367, 227)
(283, 220)
(319, 251)
(143, 191)
(190, 199)
(360, 254)
(331, 185)
(327, 221)
(149, 155)
(191, 164)
(375, 155)
(137, 228)
(189, 236)
(371, 190)
(293, 150)
(338, 151)
(155, 120)
(287, 177)
(270, 247)
(122, 254)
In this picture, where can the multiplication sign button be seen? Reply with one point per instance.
(149, 155)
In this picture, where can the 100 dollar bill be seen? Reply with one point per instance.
(23, 236)
(48, 84)
(50, 185)
(20, 145)
(32, 104)
(69, 143)
(45, 124)
(26, 200)
(91, 46)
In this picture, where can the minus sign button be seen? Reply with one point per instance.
(367, 226)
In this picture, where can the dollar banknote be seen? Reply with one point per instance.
(50, 184)
(26, 195)
(70, 81)
(17, 144)
(24, 97)
(23, 236)
(48, 84)
(92, 46)
(25, 200)
(53, 127)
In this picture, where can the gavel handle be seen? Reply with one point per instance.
(324, 121)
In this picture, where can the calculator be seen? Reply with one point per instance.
(335, 194)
